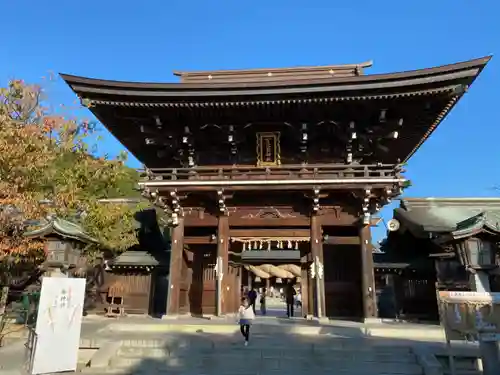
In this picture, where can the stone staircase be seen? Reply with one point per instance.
(264, 355)
(464, 365)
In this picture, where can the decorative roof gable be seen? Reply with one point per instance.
(135, 256)
(458, 217)
(61, 227)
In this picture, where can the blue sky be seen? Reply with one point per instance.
(146, 41)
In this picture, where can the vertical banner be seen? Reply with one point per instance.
(58, 325)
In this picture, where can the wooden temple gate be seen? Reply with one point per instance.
(271, 242)
(276, 154)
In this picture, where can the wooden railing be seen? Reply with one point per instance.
(313, 172)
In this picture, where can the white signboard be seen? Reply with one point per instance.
(58, 325)
(475, 297)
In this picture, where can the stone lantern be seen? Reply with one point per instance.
(64, 244)
(61, 253)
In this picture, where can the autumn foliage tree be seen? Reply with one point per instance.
(49, 157)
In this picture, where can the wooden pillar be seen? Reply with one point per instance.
(367, 274)
(310, 295)
(223, 257)
(229, 293)
(237, 291)
(177, 248)
(304, 291)
(188, 280)
(319, 281)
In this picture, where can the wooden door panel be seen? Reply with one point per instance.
(342, 280)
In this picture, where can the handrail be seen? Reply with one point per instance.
(30, 348)
(277, 167)
(274, 172)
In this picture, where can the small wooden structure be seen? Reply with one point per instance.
(433, 247)
(404, 286)
(116, 303)
(132, 280)
(287, 156)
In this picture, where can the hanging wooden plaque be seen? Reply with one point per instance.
(268, 149)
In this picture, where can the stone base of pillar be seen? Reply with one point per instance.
(171, 317)
(204, 317)
(217, 317)
(372, 320)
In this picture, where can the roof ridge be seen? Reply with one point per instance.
(297, 69)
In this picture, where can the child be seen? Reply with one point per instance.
(246, 315)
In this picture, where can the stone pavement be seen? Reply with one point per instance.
(267, 324)
(12, 357)
(284, 341)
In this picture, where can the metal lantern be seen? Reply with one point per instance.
(61, 254)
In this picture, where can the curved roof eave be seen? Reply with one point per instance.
(467, 70)
(57, 226)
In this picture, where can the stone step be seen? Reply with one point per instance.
(227, 344)
(251, 371)
(222, 350)
(207, 355)
(238, 364)
(229, 372)
(461, 363)
(252, 351)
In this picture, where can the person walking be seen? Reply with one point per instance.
(298, 300)
(290, 298)
(246, 316)
(263, 302)
(252, 298)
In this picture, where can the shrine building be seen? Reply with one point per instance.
(276, 174)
